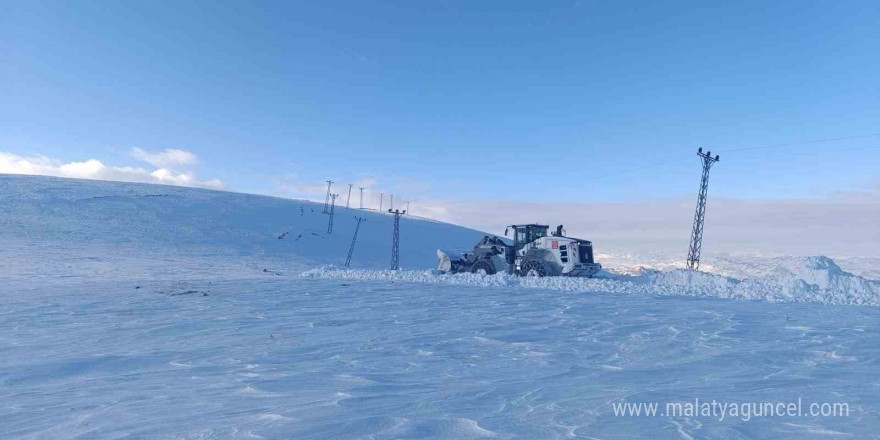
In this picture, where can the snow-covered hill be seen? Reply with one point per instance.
(83, 228)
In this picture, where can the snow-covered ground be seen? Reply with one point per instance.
(139, 311)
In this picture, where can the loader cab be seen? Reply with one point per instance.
(523, 235)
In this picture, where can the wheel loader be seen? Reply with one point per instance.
(531, 253)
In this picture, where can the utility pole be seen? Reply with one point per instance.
(349, 196)
(353, 240)
(362, 196)
(395, 240)
(332, 210)
(381, 197)
(693, 261)
(327, 197)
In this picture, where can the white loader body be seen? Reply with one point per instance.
(565, 253)
(532, 253)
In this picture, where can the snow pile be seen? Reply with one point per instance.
(626, 263)
(739, 266)
(819, 281)
(825, 273)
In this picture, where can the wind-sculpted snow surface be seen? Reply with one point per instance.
(316, 359)
(135, 311)
(820, 280)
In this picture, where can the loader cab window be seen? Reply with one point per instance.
(521, 235)
(528, 234)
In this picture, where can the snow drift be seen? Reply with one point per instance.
(818, 280)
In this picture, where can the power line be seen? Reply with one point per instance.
(615, 174)
(760, 147)
(630, 170)
(814, 141)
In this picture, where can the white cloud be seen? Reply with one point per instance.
(168, 158)
(95, 169)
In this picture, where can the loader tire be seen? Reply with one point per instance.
(484, 267)
(534, 268)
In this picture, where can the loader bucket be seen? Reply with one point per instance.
(448, 261)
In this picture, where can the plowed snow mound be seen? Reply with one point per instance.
(819, 280)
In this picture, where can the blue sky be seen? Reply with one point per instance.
(576, 101)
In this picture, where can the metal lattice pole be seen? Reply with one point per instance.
(327, 197)
(353, 240)
(395, 241)
(362, 197)
(332, 212)
(349, 196)
(693, 261)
